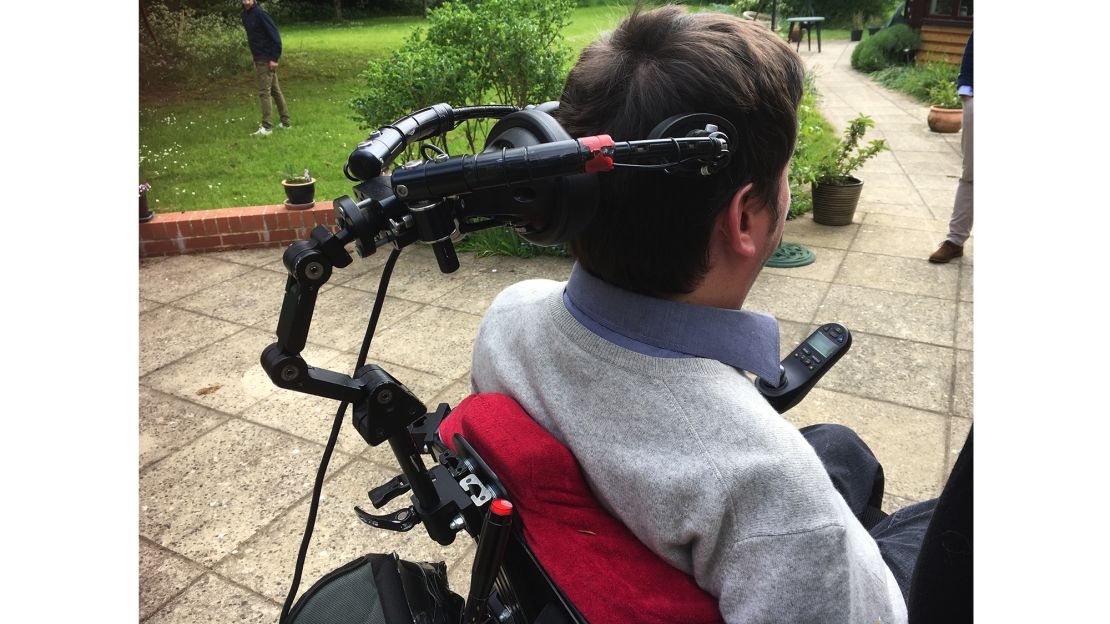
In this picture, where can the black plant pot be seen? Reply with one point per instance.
(873, 29)
(144, 211)
(856, 35)
(835, 203)
(299, 195)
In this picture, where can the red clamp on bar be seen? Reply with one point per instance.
(599, 162)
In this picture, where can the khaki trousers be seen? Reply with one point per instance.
(267, 87)
(959, 227)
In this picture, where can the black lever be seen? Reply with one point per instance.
(388, 491)
(446, 257)
(401, 520)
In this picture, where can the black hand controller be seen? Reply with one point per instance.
(801, 370)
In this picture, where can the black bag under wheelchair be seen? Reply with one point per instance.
(380, 589)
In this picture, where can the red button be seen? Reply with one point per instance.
(501, 507)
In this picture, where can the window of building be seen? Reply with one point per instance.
(951, 8)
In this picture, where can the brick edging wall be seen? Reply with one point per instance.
(170, 234)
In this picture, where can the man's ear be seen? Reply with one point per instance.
(738, 225)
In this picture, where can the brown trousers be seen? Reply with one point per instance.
(267, 87)
(963, 214)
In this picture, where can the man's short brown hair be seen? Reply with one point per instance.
(651, 233)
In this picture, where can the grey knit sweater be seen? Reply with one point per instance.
(688, 455)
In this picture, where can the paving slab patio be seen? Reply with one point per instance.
(227, 459)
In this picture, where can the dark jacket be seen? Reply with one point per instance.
(262, 34)
(964, 78)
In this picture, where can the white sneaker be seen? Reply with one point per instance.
(285, 126)
(262, 131)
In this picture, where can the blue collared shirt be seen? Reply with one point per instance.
(664, 328)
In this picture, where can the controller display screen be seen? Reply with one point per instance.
(823, 345)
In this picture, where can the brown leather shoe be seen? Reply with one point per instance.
(946, 252)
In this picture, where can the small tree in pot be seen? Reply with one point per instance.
(946, 112)
(300, 190)
(835, 192)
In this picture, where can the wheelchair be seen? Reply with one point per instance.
(537, 179)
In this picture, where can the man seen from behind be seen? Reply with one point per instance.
(640, 363)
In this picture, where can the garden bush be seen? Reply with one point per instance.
(837, 13)
(491, 51)
(189, 47)
(815, 140)
(886, 48)
(918, 81)
(317, 11)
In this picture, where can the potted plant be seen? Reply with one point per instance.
(857, 26)
(300, 190)
(835, 192)
(946, 113)
(144, 210)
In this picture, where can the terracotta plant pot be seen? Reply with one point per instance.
(835, 203)
(945, 119)
(299, 195)
(796, 35)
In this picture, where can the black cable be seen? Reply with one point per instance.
(482, 111)
(318, 486)
(379, 301)
(435, 148)
(347, 172)
(658, 165)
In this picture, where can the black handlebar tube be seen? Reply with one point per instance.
(505, 167)
(509, 166)
(378, 151)
(676, 148)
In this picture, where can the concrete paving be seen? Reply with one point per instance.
(227, 460)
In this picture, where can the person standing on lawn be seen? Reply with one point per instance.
(265, 44)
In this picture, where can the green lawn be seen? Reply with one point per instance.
(195, 144)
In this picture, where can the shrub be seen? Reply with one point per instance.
(921, 81)
(944, 94)
(815, 140)
(837, 13)
(189, 47)
(504, 51)
(514, 48)
(889, 46)
(838, 165)
(417, 74)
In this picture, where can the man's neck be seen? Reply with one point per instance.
(718, 289)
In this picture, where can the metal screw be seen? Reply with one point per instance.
(290, 372)
(456, 523)
(402, 190)
(505, 615)
(385, 396)
(314, 270)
